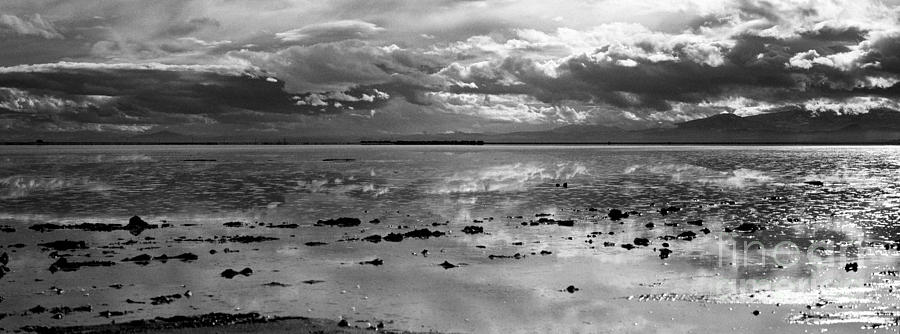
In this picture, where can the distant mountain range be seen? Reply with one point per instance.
(786, 125)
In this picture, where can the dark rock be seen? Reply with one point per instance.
(565, 184)
(107, 314)
(393, 237)
(233, 224)
(244, 239)
(65, 245)
(546, 252)
(313, 281)
(136, 222)
(616, 214)
(315, 243)
(343, 323)
(565, 222)
(340, 222)
(756, 312)
(37, 309)
(747, 228)
(815, 183)
(664, 253)
(375, 262)
(698, 222)
(473, 229)
(687, 235)
(571, 289)
(642, 242)
(668, 210)
(144, 258)
(373, 238)
(538, 215)
(283, 225)
(423, 234)
(852, 266)
(705, 230)
(63, 264)
(514, 256)
(649, 225)
(447, 265)
(186, 257)
(231, 273)
(4, 258)
(164, 299)
(375, 221)
(628, 246)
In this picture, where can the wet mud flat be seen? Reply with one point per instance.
(70, 265)
(615, 241)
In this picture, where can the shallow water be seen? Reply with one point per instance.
(793, 271)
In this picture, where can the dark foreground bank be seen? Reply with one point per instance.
(223, 323)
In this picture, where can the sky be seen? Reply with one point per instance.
(289, 68)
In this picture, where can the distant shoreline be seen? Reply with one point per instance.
(451, 143)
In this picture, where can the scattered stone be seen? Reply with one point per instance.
(244, 239)
(373, 238)
(747, 228)
(135, 226)
(447, 265)
(473, 229)
(231, 273)
(664, 253)
(64, 245)
(571, 289)
(423, 234)
(339, 222)
(164, 299)
(668, 210)
(687, 235)
(616, 214)
(642, 242)
(375, 262)
(63, 264)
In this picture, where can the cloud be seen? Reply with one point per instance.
(29, 26)
(470, 64)
(329, 32)
(339, 66)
